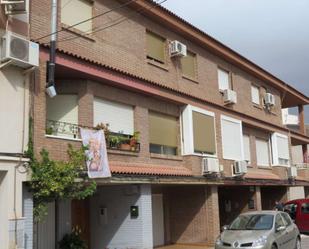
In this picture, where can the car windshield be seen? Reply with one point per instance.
(253, 222)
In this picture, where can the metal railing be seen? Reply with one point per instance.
(114, 141)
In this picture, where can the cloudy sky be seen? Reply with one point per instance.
(272, 33)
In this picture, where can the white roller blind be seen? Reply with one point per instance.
(247, 148)
(63, 108)
(75, 11)
(262, 152)
(120, 117)
(283, 147)
(255, 95)
(232, 138)
(223, 79)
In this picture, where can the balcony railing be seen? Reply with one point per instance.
(114, 141)
(302, 165)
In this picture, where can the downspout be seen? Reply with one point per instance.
(50, 86)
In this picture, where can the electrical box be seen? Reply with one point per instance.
(134, 212)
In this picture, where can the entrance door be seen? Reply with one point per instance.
(80, 218)
(157, 220)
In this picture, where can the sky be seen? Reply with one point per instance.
(272, 33)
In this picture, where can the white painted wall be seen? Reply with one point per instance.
(120, 231)
(14, 110)
(296, 193)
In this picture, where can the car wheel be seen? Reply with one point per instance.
(298, 244)
(274, 246)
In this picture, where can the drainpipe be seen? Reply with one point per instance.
(50, 87)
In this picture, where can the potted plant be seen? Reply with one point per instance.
(113, 141)
(124, 143)
(73, 240)
(134, 140)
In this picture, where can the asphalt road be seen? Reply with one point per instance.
(305, 241)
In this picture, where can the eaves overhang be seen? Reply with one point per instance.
(290, 96)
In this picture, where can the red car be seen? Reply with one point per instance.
(299, 212)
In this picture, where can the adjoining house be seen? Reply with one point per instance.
(18, 57)
(211, 145)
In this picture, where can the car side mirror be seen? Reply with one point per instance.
(280, 228)
(225, 227)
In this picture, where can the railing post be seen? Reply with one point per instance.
(305, 153)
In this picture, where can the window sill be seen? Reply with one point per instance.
(264, 167)
(122, 152)
(77, 32)
(194, 80)
(283, 166)
(257, 106)
(63, 138)
(166, 157)
(157, 64)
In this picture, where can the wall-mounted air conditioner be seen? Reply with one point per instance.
(14, 7)
(240, 167)
(178, 49)
(292, 172)
(229, 96)
(19, 50)
(210, 165)
(269, 99)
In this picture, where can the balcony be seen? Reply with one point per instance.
(114, 141)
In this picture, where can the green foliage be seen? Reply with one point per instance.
(56, 180)
(73, 240)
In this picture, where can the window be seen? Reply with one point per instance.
(223, 79)
(287, 219)
(247, 149)
(279, 221)
(155, 47)
(255, 95)
(188, 65)
(120, 117)
(163, 134)
(73, 12)
(232, 138)
(198, 132)
(61, 113)
(262, 152)
(203, 133)
(305, 208)
(280, 149)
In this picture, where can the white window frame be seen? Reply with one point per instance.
(274, 149)
(250, 156)
(269, 152)
(228, 77)
(186, 126)
(233, 120)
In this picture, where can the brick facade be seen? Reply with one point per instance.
(191, 212)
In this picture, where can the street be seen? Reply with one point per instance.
(305, 241)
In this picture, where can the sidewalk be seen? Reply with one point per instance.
(185, 247)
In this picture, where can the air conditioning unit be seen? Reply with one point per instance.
(178, 49)
(269, 99)
(210, 165)
(292, 172)
(240, 167)
(14, 7)
(19, 50)
(229, 96)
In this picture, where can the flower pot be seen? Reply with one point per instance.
(125, 147)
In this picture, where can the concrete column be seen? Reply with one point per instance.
(305, 153)
(301, 117)
(213, 216)
(258, 198)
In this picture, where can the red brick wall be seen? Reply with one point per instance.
(123, 47)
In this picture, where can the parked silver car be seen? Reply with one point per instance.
(260, 230)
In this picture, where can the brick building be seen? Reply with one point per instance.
(117, 69)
